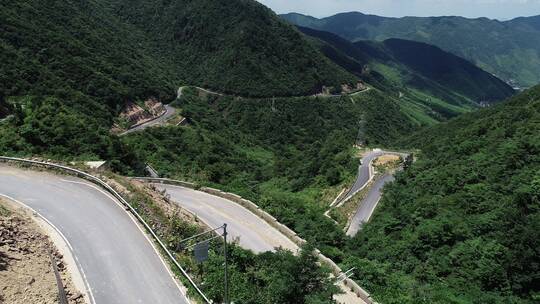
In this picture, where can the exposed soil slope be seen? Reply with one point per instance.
(26, 272)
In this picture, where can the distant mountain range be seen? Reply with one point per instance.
(508, 49)
(450, 83)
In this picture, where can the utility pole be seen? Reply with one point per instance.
(226, 266)
(201, 253)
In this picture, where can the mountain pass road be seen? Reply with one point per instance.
(116, 258)
(169, 112)
(368, 204)
(252, 232)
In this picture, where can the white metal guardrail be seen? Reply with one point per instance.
(104, 185)
(253, 208)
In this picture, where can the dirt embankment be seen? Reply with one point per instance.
(134, 115)
(26, 271)
(387, 159)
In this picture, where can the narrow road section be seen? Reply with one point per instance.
(252, 232)
(169, 112)
(365, 173)
(368, 204)
(117, 260)
(363, 178)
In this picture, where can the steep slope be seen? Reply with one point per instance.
(509, 49)
(232, 46)
(407, 65)
(462, 224)
(447, 70)
(70, 66)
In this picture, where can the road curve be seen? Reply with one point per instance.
(252, 232)
(169, 112)
(368, 204)
(117, 260)
(364, 175)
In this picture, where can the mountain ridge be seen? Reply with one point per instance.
(402, 65)
(509, 49)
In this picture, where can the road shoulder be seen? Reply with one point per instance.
(29, 255)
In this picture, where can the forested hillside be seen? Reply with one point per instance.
(462, 224)
(509, 49)
(282, 153)
(452, 84)
(70, 66)
(238, 47)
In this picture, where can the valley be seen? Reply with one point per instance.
(353, 158)
(508, 49)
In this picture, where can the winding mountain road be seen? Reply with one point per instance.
(368, 204)
(181, 90)
(169, 112)
(117, 260)
(252, 232)
(363, 178)
(365, 173)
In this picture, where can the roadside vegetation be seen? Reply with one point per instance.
(266, 278)
(461, 225)
(280, 153)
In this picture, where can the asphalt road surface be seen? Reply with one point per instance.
(364, 173)
(252, 232)
(368, 205)
(118, 261)
(169, 112)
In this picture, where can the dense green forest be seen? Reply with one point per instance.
(237, 47)
(280, 153)
(462, 224)
(68, 68)
(509, 49)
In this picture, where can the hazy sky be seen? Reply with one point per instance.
(496, 9)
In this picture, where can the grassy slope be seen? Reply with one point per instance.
(462, 224)
(509, 49)
(435, 84)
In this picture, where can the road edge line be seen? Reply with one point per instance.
(61, 238)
